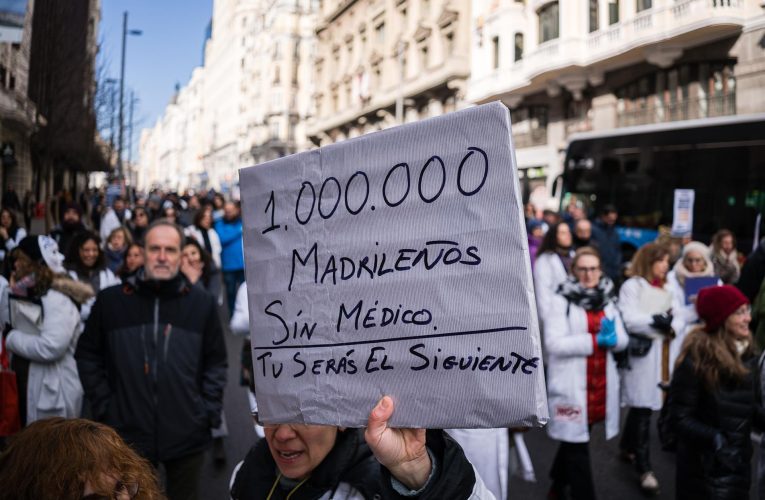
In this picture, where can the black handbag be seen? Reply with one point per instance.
(639, 345)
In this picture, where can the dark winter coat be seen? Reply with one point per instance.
(152, 361)
(606, 239)
(698, 415)
(753, 272)
(351, 462)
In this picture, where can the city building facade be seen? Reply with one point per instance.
(567, 67)
(18, 114)
(384, 62)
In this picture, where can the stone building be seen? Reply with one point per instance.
(384, 62)
(566, 67)
(18, 114)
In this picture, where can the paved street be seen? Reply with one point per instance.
(214, 481)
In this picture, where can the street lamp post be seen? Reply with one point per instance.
(125, 33)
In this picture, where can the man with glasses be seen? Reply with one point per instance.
(152, 361)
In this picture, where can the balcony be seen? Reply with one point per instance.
(681, 110)
(671, 26)
(17, 110)
(527, 139)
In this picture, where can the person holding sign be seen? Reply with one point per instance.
(693, 271)
(712, 399)
(645, 302)
(583, 329)
(299, 461)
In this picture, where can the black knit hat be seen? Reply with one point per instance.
(30, 245)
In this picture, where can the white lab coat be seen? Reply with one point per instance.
(640, 383)
(568, 344)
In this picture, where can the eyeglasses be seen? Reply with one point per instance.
(585, 270)
(122, 491)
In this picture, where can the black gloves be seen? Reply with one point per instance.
(662, 322)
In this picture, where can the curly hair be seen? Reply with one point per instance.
(56, 457)
(72, 259)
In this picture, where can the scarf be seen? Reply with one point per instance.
(589, 299)
(23, 286)
(206, 238)
(566, 256)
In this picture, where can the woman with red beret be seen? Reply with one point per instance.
(712, 399)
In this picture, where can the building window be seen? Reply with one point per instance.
(449, 43)
(495, 52)
(548, 22)
(643, 5)
(613, 11)
(529, 125)
(594, 23)
(424, 54)
(518, 46)
(276, 75)
(380, 32)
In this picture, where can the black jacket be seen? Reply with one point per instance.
(753, 272)
(608, 243)
(698, 415)
(351, 461)
(152, 361)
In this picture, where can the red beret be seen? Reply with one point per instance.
(715, 303)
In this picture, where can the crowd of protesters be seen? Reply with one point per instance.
(635, 335)
(117, 316)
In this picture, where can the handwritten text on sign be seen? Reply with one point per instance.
(394, 263)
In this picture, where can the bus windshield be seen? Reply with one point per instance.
(637, 169)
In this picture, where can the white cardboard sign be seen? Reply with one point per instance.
(395, 263)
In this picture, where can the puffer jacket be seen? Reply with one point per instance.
(152, 361)
(698, 415)
(351, 472)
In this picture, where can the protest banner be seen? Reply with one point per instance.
(682, 215)
(395, 263)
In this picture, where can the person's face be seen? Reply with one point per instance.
(141, 218)
(563, 236)
(193, 203)
(191, 254)
(230, 211)
(537, 232)
(163, 253)
(134, 258)
(170, 214)
(119, 206)
(694, 262)
(610, 218)
(583, 230)
(660, 267)
(218, 202)
(89, 253)
(71, 216)
(206, 220)
(727, 244)
(5, 219)
(737, 323)
(587, 271)
(117, 240)
(298, 449)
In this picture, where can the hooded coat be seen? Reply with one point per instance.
(45, 331)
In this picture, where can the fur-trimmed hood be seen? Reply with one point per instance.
(77, 291)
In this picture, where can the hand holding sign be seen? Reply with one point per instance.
(401, 451)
